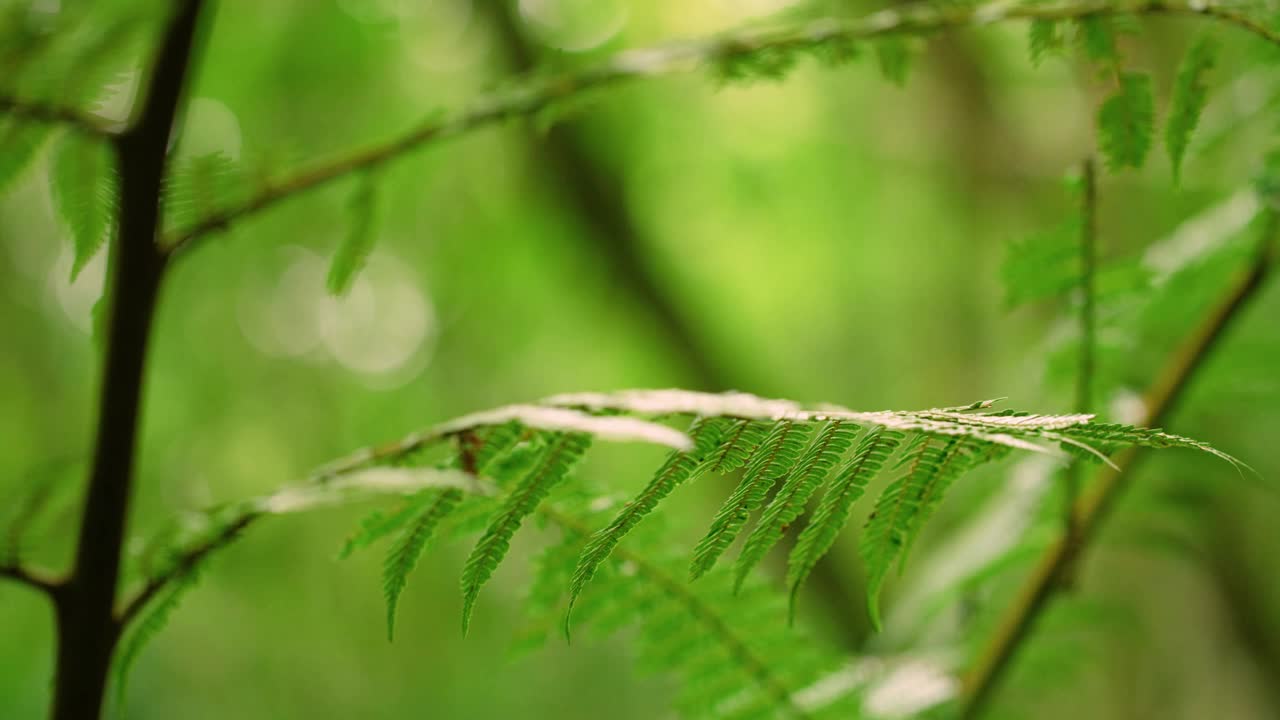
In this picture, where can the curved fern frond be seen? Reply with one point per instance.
(1190, 95)
(428, 510)
(808, 475)
(149, 626)
(777, 454)
(679, 468)
(558, 459)
(833, 512)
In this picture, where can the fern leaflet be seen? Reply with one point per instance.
(833, 511)
(679, 468)
(778, 453)
(802, 481)
(403, 555)
(83, 182)
(1125, 122)
(1190, 95)
(358, 242)
(492, 547)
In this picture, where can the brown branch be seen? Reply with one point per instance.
(87, 628)
(536, 95)
(186, 562)
(1092, 507)
(46, 113)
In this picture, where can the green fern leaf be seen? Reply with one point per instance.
(679, 468)
(897, 514)
(1126, 121)
(351, 255)
(403, 555)
(492, 547)
(893, 56)
(822, 456)
(743, 439)
(1190, 95)
(199, 187)
(375, 526)
(149, 626)
(1043, 37)
(19, 144)
(84, 184)
(833, 511)
(777, 454)
(1097, 37)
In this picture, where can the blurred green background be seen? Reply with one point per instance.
(831, 237)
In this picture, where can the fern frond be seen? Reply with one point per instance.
(742, 441)
(149, 626)
(679, 468)
(375, 526)
(200, 186)
(83, 183)
(833, 511)
(1190, 95)
(1126, 121)
(802, 481)
(492, 547)
(900, 512)
(356, 245)
(777, 454)
(1043, 37)
(893, 56)
(432, 507)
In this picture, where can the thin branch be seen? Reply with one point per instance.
(30, 577)
(46, 113)
(87, 630)
(539, 93)
(1092, 507)
(185, 563)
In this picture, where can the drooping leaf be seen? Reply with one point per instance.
(1097, 37)
(777, 454)
(1190, 95)
(83, 180)
(432, 507)
(1043, 37)
(557, 461)
(1125, 122)
(833, 511)
(893, 56)
(679, 468)
(356, 245)
(791, 500)
(147, 627)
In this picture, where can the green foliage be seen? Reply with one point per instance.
(893, 56)
(1126, 121)
(777, 456)
(19, 145)
(790, 502)
(153, 620)
(358, 242)
(1044, 37)
(432, 507)
(1097, 38)
(83, 184)
(680, 467)
(833, 512)
(1190, 95)
(553, 467)
(198, 187)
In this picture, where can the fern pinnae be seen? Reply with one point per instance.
(833, 511)
(679, 467)
(743, 441)
(776, 455)
(887, 527)
(492, 547)
(148, 626)
(403, 554)
(823, 454)
(356, 246)
(927, 494)
(1188, 100)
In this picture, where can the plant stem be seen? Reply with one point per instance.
(1091, 508)
(87, 628)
